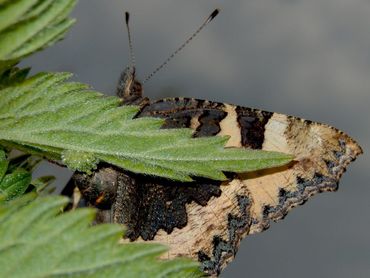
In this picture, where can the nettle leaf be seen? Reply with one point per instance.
(15, 184)
(49, 115)
(77, 160)
(12, 184)
(30, 25)
(38, 241)
(13, 76)
(16, 175)
(3, 164)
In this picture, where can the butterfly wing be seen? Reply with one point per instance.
(206, 219)
(248, 202)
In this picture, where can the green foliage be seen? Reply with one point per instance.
(16, 175)
(3, 164)
(13, 76)
(82, 161)
(14, 183)
(30, 25)
(49, 116)
(37, 241)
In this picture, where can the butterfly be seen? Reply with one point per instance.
(206, 219)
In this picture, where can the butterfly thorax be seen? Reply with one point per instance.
(129, 89)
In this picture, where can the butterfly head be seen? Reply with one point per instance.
(129, 89)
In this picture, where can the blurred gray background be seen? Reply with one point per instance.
(308, 58)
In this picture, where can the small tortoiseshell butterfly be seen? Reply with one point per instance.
(206, 219)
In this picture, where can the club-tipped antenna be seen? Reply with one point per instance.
(131, 49)
(208, 20)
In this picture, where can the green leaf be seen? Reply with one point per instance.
(81, 161)
(15, 176)
(54, 117)
(15, 184)
(11, 12)
(37, 241)
(13, 76)
(30, 25)
(3, 164)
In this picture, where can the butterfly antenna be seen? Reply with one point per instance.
(131, 49)
(208, 20)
